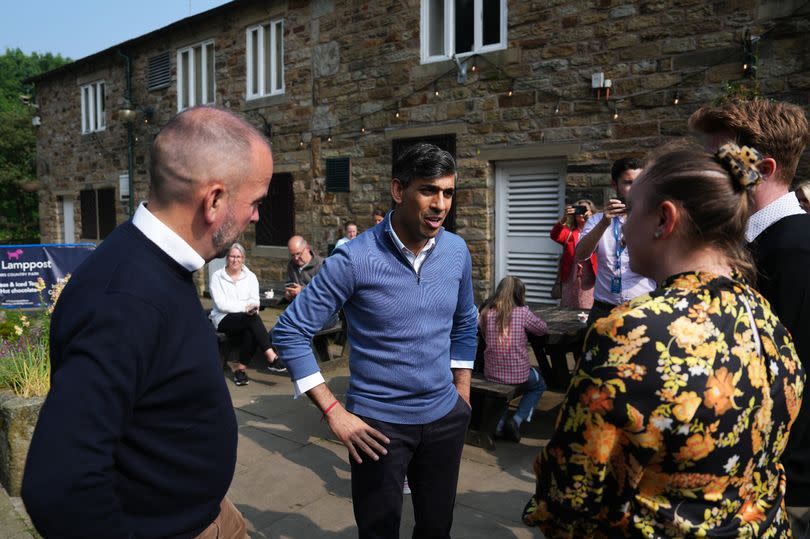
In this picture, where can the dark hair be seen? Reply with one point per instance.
(715, 209)
(423, 161)
(620, 165)
(349, 223)
(777, 129)
(378, 213)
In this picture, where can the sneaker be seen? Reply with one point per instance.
(240, 378)
(277, 367)
(511, 430)
(406, 488)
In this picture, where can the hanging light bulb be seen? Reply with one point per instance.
(510, 91)
(329, 136)
(396, 115)
(676, 99)
(474, 67)
(435, 89)
(615, 112)
(300, 143)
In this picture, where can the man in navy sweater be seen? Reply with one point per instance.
(405, 287)
(778, 233)
(137, 437)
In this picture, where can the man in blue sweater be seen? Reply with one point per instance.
(405, 287)
(137, 437)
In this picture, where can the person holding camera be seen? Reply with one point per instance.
(576, 278)
(235, 291)
(602, 235)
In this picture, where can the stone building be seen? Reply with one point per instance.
(339, 86)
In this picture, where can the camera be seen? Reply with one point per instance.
(580, 209)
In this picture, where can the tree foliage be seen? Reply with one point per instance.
(19, 219)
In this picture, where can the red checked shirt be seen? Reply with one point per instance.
(506, 358)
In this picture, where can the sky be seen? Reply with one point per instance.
(79, 28)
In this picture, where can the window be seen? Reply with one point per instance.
(98, 212)
(462, 27)
(338, 174)
(277, 212)
(265, 59)
(94, 108)
(195, 75)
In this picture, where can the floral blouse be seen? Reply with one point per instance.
(675, 421)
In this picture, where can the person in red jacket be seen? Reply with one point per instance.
(577, 278)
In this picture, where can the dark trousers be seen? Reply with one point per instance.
(250, 329)
(430, 455)
(599, 310)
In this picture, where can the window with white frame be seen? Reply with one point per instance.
(462, 27)
(195, 75)
(265, 59)
(94, 108)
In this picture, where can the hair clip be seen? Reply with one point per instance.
(741, 163)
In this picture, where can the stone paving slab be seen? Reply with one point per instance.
(13, 521)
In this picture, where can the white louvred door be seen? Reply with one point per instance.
(530, 196)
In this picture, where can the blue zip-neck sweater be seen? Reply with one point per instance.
(404, 327)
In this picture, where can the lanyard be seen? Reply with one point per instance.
(617, 238)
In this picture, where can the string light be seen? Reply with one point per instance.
(300, 143)
(676, 99)
(329, 136)
(436, 89)
(510, 91)
(474, 66)
(557, 108)
(615, 112)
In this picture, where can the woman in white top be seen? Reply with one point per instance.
(235, 291)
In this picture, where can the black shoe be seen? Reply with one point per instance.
(511, 430)
(240, 378)
(277, 367)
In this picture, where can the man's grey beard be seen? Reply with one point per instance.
(225, 236)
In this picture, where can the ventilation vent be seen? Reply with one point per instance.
(160, 71)
(338, 172)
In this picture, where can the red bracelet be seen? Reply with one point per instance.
(328, 409)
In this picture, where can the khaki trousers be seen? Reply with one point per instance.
(228, 525)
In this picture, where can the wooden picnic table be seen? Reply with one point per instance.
(565, 334)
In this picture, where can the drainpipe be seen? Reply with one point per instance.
(130, 136)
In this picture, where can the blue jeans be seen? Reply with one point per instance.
(532, 389)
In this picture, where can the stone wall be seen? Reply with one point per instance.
(346, 60)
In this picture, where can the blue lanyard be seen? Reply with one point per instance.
(617, 237)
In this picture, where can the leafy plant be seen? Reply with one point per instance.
(25, 348)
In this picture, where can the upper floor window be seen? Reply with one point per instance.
(462, 27)
(94, 108)
(265, 59)
(195, 75)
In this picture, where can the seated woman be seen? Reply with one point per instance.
(504, 321)
(577, 278)
(675, 422)
(235, 291)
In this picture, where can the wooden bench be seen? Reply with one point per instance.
(320, 341)
(489, 400)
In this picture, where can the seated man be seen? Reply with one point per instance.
(303, 266)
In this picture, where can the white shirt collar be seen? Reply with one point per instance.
(783, 206)
(401, 246)
(167, 239)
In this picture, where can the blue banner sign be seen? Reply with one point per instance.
(22, 265)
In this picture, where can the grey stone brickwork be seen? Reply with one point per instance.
(346, 59)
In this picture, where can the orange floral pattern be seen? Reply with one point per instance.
(675, 421)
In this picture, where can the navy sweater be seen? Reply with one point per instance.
(137, 437)
(782, 256)
(404, 327)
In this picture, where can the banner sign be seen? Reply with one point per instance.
(22, 265)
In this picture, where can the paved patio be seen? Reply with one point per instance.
(292, 476)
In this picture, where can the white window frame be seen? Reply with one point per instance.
(277, 87)
(193, 99)
(449, 32)
(94, 107)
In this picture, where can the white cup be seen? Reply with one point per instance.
(583, 317)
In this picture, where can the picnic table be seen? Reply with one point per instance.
(565, 334)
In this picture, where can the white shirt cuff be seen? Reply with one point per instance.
(306, 383)
(459, 364)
